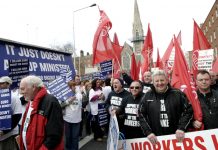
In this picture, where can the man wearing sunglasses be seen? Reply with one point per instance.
(129, 108)
(164, 110)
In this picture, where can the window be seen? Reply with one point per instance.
(209, 24)
(214, 34)
(211, 38)
(212, 19)
(206, 28)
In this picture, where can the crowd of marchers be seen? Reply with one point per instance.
(147, 108)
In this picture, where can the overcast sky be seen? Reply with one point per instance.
(50, 22)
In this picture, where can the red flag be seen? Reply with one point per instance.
(134, 68)
(179, 38)
(200, 42)
(165, 59)
(117, 60)
(115, 40)
(159, 63)
(181, 79)
(215, 66)
(102, 45)
(117, 48)
(147, 51)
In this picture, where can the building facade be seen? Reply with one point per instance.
(210, 27)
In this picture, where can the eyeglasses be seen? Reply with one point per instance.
(135, 87)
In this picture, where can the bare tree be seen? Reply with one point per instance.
(68, 47)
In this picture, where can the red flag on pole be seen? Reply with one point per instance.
(147, 51)
(159, 63)
(165, 59)
(102, 45)
(117, 61)
(181, 79)
(200, 42)
(134, 68)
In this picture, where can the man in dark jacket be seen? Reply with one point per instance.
(208, 98)
(115, 99)
(129, 108)
(164, 110)
(42, 124)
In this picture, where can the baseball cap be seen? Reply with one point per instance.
(5, 79)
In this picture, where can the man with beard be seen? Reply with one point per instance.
(115, 99)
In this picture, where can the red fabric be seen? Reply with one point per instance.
(134, 68)
(147, 51)
(117, 60)
(115, 40)
(167, 53)
(200, 42)
(102, 45)
(159, 63)
(179, 38)
(215, 66)
(181, 79)
(116, 67)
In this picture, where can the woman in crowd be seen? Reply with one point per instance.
(72, 117)
(95, 97)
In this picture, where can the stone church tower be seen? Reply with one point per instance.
(137, 33)
(137, 41)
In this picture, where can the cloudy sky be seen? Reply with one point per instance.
(50, 22)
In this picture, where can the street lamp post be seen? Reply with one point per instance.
(74, 47)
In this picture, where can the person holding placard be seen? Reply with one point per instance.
(7, 137)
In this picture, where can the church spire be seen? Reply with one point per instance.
(137, 32)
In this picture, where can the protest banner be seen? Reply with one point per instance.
(43, 62)
(113, 135)
(102, 114)
(205, 59)
(106, 68)
(205, 140)
(5, 109)
(18, 68)
(60, 89)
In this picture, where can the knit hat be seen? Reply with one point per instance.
(5, 79)
(121, 81)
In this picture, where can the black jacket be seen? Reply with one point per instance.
(209, 106)
(115, 99)
(129, 108)
(178, 112)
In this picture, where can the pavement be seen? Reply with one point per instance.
(88, 143)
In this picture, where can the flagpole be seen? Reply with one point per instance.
(74, 47)
(112, 68)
